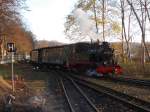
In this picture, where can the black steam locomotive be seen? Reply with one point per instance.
(79, 56)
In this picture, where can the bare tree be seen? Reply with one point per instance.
(103, 17)
(95, 17)
(142, 24)
(123, 27)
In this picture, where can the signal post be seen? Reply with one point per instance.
(11, 49)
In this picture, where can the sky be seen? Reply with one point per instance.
(46, 18)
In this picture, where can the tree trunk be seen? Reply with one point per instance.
(95, 17)
(103, 18)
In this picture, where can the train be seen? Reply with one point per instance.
(92, 58)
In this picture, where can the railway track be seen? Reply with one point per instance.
(77, 100)
(130, 101)
(136, 82)
(56, 101)
(126, 99)
(129, 81)
(103, 102)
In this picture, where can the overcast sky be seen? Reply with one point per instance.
(46, 18)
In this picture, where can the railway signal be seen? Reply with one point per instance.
(11, 49)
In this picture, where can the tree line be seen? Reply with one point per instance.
(123, 20)
(12, 28)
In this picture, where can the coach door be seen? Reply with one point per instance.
(40, 56)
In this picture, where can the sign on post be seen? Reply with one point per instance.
(11, 48)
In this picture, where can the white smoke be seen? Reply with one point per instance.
(86, 25)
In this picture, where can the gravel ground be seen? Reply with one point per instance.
(41, 85)
(141, 93)
(46, 85)
(56, 99)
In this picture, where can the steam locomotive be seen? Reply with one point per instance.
(92, 58)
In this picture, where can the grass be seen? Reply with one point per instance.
(6, 71)
(35, 82)
(136, 69)
(23, 70)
